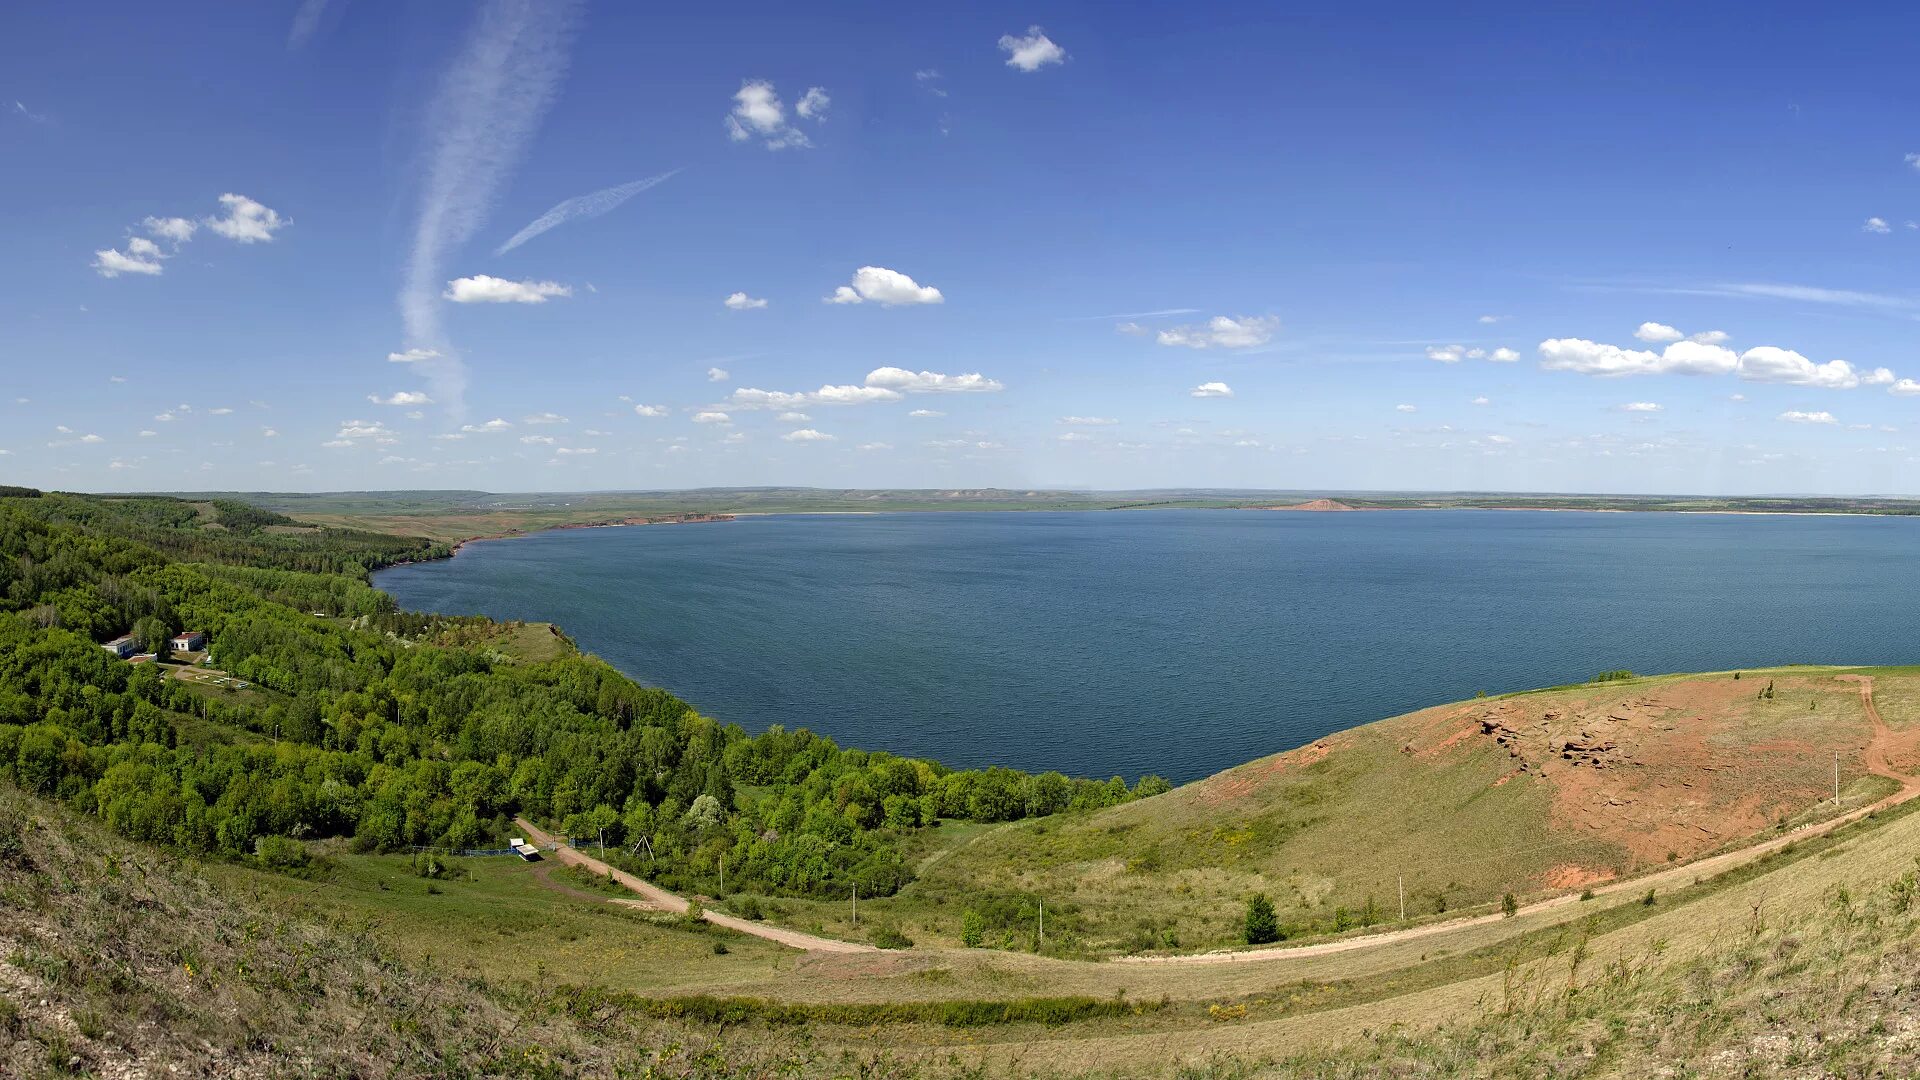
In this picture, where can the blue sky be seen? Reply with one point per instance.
(1346, 246)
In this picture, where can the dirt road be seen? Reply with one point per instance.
(1875, 756)
(656, 898)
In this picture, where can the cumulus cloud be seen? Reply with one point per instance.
(1032, 50)
(813, 104)
(544, 418)
(591, 205)
(401, 397)
(577, 450)
(1875, 225)
(538, 440)
(794, 418)
(1642, 406)
(486, 289)
(888, 288)
(928, 382)
(1211, 390)
(1657, 332)
(712, 417)
(1489, 320)
(807, 435)
(141, 257)
(176, 230)
(758, 113)
(487, 428)
(1503, 355)
(413, 356)
(742, 302)
(1482, 400)
(1221, 331)
(1446, 354)
(1905, 388)
(245, 220)
(1796, 416)
(650, 410)
(718, 374)
(1088, 421)
(1765, 363)
(1406, 408)
(926, 414)
(875, 446)
(1585, 357)
(355, 431)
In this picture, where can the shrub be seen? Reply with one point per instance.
(748, 907)
(1620, 675)
(1262, 927)
(973, 929)
(890, 937)
(280, 852)
(1509, 906)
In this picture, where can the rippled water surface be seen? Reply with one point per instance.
(1178, 642)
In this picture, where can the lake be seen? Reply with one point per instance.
(1177, 642)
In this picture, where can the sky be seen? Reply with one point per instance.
(332, 244)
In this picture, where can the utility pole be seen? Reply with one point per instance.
(1043, 926)
(723, 873)
(1403, 898)
(1836, 778)
(856, 905)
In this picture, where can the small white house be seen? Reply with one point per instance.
(189, 641)
(122, 646)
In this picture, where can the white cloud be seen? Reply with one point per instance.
(742, 302)
(1489, 320)
(222, 411)
(1446, 354)
(1877, 377)
(1657, 332)
(650, 410)
(1642, 407)
(1406, 408)
(1795, 416)
(1905, 388)
(265, 433)
(544, 418)
(493, 425)
(1482, 400)
(759, 113)
(926, 414)
(1709, 337)
(538, 440)
(1088, 421)
(716, 374)
(401, 397)
(1031, 51)
(794, 418)
(1914, 160)
(927, 382)
(352, 430)
(1765, 363)
(1875, 225)
(577, 450)
(712, 417)
(590, 205)
(1679, 358)
(178, 230)
(1503, 355)
(246, 221)
(109, 262)
(807, 435)
(1500, 440)
(90, 438)
(875, 446)
(486, 289)
(1211, 390)
(148, 433)
(888, 288)
(1223, 332)
(1074, 436)
(813, 104)
(413, 356)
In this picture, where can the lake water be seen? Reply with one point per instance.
(1178, 642)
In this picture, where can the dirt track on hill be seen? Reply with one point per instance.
(655, 898)
(1877, 760)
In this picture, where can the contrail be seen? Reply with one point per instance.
(488, 105)
(581, 206)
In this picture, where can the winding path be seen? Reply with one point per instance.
(1875, 756)
(655, 898)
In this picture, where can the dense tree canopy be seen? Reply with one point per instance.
(358, 725)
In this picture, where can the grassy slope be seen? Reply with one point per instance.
(1425, 796)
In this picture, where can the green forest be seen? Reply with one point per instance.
(359, 722)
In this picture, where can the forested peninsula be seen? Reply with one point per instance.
(316, 709)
